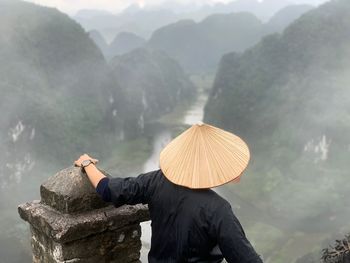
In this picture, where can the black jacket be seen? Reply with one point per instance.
(187, 225)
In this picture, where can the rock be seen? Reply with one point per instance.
(72, 224)
(70, 191)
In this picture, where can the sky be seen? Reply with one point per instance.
(114, 6)
(72, 6)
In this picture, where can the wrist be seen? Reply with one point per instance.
(86, 163)
(90, 167)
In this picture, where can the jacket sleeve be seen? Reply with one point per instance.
(129, 191)
(231, 238)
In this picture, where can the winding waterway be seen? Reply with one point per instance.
(162, 138)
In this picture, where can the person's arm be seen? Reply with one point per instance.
(231, 238)
(91, 170)
(132, 190)
(120, 191)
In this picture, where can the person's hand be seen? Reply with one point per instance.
(83, 158)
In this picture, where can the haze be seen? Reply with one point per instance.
(119, 79)
(116, 6)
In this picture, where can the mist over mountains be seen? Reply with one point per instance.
(123, 43)
(288, 97)
(282, 85)
(61, 98)
(153, 85)
(55, 75)
(285, 17)
(198, 47)
(143, 21)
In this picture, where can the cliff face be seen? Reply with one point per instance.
(284, 17)
(288, 98)
(59, 90)
(60, 98)
(125, 42)
(286, 78)
(153, 84)
(54, 85)
(199, 46)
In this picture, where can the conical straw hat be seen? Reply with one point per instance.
(204, 156)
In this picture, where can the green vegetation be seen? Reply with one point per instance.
(60, 99)
(202, 44)
(52, 84)
(286, 16)
(153, 85)
(198, 47)
(288, 97)
(60, 93)
(125, 42)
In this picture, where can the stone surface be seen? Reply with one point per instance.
(72, 224)
(64, 227)
(118, 245)
(70, 191)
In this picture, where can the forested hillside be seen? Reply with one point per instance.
(144, 21)
(123, 43)
(100, 41)
(198, 47)
(54, 99)
(284, 17)
(58, 89)
(133, 19)
(60, 98)
(54, 86)
(289, 98)
(153, 84)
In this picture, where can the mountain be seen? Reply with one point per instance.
(153, 84)
(58, 89)
(99, 41)
(135, 20)
(288, 97)
(286, 16)
(123, 43)
(144, 21)
(55, 87)
(60, 98)
(264, 10)
(309, 46)
(199, 46)
(89, 13)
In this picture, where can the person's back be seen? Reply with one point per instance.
(188, 225)
(181, 222)
(190, 222)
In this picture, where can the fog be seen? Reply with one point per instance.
(119, 79)
(115, 6)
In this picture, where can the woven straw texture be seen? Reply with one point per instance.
(204, 156)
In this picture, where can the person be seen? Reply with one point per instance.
(190, 222)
